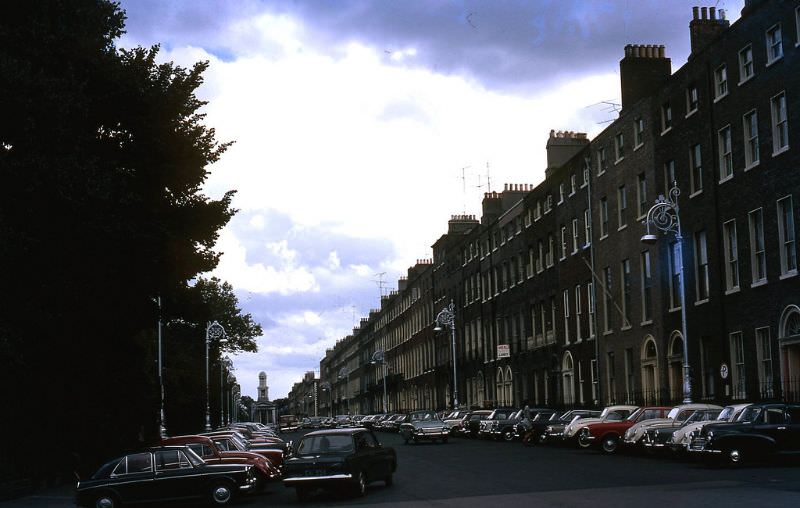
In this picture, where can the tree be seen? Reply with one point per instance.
(102, 154)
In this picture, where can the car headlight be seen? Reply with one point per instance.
(548, 429)
(445, 429)
(710, 435)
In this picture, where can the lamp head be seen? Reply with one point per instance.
(649, 239)
(437, 328)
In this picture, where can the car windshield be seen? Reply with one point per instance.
(673, 413)
(635, 415)
(750, 414)
(423, 417)
(725, 414)
(325, 444)
(193, 457)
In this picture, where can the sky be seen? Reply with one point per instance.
(361, 127)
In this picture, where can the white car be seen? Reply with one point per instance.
(610, 414)
(676, 416)
(682, 437)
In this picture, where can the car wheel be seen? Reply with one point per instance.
(105, 501)
(584, 443)
(389, 480)
(542, 438)
(734, 456)
(508, 435)
(610, 444)
(361, 484)
(221, 494)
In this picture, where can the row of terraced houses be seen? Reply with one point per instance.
(557, 300)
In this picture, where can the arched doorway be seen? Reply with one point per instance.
(675, 366)
(508, 387)
(789, 343)
(498, 382)
(649, 361)
(568, 378)
(481, 390)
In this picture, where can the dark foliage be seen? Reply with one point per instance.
(102, 156)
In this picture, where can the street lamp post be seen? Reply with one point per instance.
(213, 331)
(326, 387)
(379, 356)
(664, 216)
(162, 428)
(447, 317)
(225, 363)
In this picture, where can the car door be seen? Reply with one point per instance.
(794, 427)
(133, 478)
(773, 423)
(366, 452)
(175, 476)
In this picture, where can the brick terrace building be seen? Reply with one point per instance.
(557, 276)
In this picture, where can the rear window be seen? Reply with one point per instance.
(326, 444)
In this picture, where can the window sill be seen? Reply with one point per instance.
(751, 166)
(788, 275)
(732, 291)
(780, 151)
(608, 332)
(641, 218)
(664, 131)
(625, 328)
(691, 113)
(624, 226)
(583, 185)
(638, 146)
(745, 80)
(673, 309)
(762, 282)
(720, 97)
(619, 160)
(645, 323)
(723, 180)
(601, 173)
(695, 193)
(700, 302)
(604, 236)
(774, 61)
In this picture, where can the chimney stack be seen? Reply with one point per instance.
(642, 71)
(706, 27)
(562, 146)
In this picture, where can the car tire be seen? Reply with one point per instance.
(582, 443)
(105, 500)
(734, 457)
(389, 480)
(508, 435)
(221, 494)
(609, 444)
(360, 488)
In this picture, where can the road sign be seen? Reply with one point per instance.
(503, 351)
(723, 371)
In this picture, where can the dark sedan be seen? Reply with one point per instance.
(339, 458)
(163, 474)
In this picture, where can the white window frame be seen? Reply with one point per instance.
(603, 217)
(622, 207)
(641, 196)
(758, 251)
(575, 235)
(565, 297)
(725, 150)
(625, 273)
(561, 193)
(701, 268)
(563, 243)
(774, 46)
(720, 82)
(638, 133)
(766, 372)
(587, 228)
(692, 105)
(578, 313)
(746, 64)
(666, 117)
(602, 160)
(731, 245)
(696, 169)
(752, 156)
(787, 237)
(780, 123)
(646, 274)
(573, 184)
(619, 147)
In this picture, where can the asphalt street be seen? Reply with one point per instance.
(466, 473)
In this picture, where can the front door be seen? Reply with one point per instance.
(773, 423)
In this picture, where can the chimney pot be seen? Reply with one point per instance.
(712, 13)
(722, 14)
(704, 12)
(695, 12)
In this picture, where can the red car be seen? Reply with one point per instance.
(230, 442)
(211, 454)
(608, 435)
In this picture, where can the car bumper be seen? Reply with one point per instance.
(321, 480)
(429, 435)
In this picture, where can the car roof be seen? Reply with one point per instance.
(328, 432)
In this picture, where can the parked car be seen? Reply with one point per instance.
(608, 435)
(343, 421)
(456, 422)
(506, 429)
(609, 414)
(676, 416)
(656, 437)
(339, 458)
(181, 475)
(423, 426)
(474, 422)
(496, 415)
(392, 424)
(552, 428)
(763, 431)
(207, 450)
(231, 443)
(682, 437)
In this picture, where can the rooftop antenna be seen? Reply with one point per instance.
(488, 180)
(381, 282)
(464, 187)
